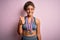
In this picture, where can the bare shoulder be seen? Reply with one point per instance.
(37, 21)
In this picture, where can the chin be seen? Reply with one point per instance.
(29, 15)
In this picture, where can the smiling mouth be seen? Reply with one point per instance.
(29, 12)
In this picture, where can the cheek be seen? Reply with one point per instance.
(28, 11)
(32, 11)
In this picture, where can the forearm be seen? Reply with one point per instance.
(20, 31)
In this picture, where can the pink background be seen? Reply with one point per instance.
(46, 10)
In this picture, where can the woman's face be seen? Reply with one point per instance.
(30, 10)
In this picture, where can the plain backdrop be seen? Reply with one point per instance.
(46, 10)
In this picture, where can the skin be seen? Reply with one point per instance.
(29, 11)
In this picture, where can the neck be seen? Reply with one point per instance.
(29, 16)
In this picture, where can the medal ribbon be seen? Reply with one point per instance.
(29, 25)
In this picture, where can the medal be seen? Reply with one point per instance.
(29, 26)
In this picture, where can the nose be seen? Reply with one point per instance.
(29, 10)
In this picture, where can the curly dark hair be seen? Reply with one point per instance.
(27, 4)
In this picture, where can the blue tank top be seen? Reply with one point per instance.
(34, 27)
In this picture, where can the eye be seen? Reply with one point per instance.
(28, 8)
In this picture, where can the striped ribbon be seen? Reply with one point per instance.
(29, 25)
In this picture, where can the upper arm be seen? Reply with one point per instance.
(38, 26)
(38, 29)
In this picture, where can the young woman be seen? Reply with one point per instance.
(29, 26)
